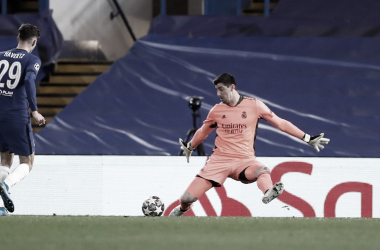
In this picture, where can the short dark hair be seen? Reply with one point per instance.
(28, 31)
(226, 79)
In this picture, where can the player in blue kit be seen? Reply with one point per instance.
(18, 71)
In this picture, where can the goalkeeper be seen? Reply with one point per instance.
(236, 120)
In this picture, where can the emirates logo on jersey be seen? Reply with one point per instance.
(232, 128)
(244, 115)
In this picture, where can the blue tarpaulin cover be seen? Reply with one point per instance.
(319, 70)
(140, 105)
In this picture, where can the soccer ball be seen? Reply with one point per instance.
(153, 206)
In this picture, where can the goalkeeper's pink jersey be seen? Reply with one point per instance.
(236, 127)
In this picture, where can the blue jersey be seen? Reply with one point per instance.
(18, 71)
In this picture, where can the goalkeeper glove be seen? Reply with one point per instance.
(187, 149)
(316, 141)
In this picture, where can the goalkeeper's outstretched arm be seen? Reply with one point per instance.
(315, 141)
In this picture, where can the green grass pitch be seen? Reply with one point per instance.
(182, 233)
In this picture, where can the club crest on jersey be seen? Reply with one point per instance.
(244, 115)
(37, 66)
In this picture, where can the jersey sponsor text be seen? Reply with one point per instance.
(234, 128)
(6, 93)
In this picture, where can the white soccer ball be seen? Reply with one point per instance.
(153, 206)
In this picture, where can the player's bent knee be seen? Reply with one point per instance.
(261, 170)
(251, 174)
(188, 198)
